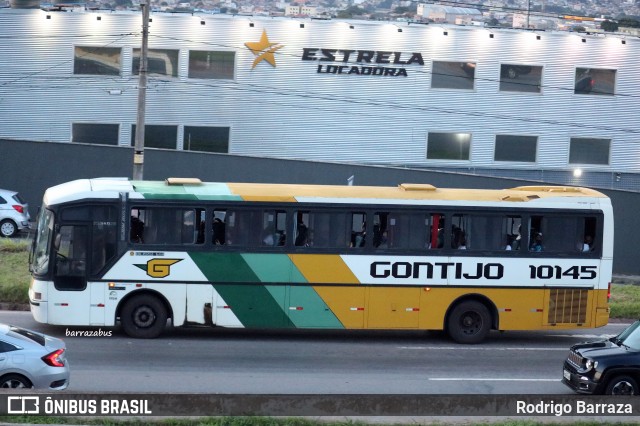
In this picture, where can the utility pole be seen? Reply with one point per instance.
(138, 150)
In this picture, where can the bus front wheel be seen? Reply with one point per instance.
(469, 322)
(144, 317)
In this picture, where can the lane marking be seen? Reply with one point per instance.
(449, 348)
(467, 379)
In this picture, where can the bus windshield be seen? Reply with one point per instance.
(40, 254)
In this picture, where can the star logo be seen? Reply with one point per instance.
(263, 50)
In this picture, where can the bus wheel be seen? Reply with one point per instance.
(143, 317)
(469, 322)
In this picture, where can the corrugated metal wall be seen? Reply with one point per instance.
(291, 111)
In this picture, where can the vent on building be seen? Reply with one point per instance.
(567, 306)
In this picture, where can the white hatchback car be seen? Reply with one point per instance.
(14, 213)
(29, 359)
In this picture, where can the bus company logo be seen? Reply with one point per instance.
(158, 268)
(263, 50)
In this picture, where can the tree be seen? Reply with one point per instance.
(629, 23)
(609, 26)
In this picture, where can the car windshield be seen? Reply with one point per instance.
(630, 337)
(40, 253)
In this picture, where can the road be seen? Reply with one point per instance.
(291, 362)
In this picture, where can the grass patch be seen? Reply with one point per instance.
(14, 270)
(625, 301)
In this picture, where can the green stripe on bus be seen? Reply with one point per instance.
(273, 268)
(256, 306)
(224, 267)
(161, 196)
(307, 309)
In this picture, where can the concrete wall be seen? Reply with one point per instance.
(31, 167)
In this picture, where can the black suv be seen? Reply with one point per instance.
(609, 366)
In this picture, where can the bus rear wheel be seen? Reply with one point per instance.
(469, 322)
(143, 317)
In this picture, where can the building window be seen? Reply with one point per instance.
(211, 64)
(97, 60)
(156, 136)
(593, 81)
(453, 75)
(96, 133)
(520, 78)
(206, 139)
(516, 148)
(159, 62)
(448, 146)
(589, 151)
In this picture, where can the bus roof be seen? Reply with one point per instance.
(185, 189)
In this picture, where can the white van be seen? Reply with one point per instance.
(14, 213)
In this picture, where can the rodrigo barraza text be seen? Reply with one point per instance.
(577, 407)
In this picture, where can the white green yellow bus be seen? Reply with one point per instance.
(411, 257)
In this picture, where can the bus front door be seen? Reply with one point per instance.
(70, 297)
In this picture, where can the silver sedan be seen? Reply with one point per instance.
(29, 359)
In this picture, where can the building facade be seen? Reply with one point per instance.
(499, 102)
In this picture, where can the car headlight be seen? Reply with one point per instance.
(590, 364)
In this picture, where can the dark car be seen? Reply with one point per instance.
(609, 366)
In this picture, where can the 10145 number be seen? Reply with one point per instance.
(546, 272)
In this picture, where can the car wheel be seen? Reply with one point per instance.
(622, 385)
(8, 228)
(14, 381)
(512, 73)
(469, 322)
(143, 317)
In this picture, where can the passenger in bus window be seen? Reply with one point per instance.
(218, 232)
(588, 243)
(358, 238)
(303, 231)
(137, 230)
(463, 242)
(510, 241)
(537, 243)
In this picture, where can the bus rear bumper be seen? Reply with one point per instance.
(39, 311)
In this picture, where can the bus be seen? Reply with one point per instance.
(147, 254)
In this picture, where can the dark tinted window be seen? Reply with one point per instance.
(516, 148)
(7, 347)
(96, 133)
(453, 75)
(448, 146)
(165, 225)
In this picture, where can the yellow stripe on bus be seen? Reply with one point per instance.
(324, 269)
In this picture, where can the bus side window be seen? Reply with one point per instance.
(358, 230)
(219, 227)
(136, 232)
(302, 229)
